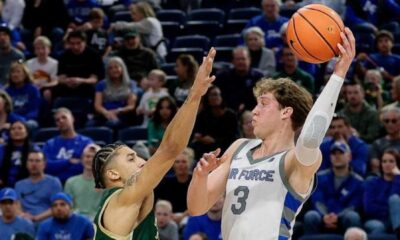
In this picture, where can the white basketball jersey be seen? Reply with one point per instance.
(259, 202)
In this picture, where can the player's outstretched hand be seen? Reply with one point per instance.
(203, 78)
(347, 53)
(209, 162)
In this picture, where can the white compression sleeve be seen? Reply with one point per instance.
(317, 122)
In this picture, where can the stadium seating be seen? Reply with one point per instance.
(131, 135)
(100, 135)
(171, 15)
(229, 40)
(243, 13)
(192, 41)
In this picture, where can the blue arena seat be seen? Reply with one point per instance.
(168, 68)
(131, 135)
(207, 28)
(224, 54)
(234, 26)
(43, 134)
(381, 237)
(100, 135)
(197, 53)
(171, 15)
(207, 14)
(243, 13)
(229, 40)
(171, 30)
(192, 41)
(122, 16)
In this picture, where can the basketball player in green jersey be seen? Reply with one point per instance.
(126, 210)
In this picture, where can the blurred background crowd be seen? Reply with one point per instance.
(78, 74)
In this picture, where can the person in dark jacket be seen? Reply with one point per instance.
(338, 197)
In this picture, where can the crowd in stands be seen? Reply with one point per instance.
(78, 74)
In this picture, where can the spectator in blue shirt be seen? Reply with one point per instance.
(383, 60)
(381, 196)
(10, 223)
(13, 155)
(34, 192)
(63, 152)
(64, 224)
(338, 197)
(209, 223)
(25, 95)
(270, 22)
(341, 127)
(79, 10)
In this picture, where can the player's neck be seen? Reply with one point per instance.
(277, 142)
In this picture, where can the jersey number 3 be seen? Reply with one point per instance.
(242, 192)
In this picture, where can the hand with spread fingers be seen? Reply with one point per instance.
(209, 162)
(203, 79)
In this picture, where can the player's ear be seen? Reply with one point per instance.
(112, 174)
(286, 112)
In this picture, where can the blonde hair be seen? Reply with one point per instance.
(164, 204)
(144, 8)
(43, 41)
(160, 74)
(189, 153)
(257, 31)
(288, 94)
(25, 69)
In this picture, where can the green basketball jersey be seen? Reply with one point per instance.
(146, 230)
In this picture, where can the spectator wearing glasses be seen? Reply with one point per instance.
(390, 117)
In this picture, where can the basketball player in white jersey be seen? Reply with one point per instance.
(267, 180)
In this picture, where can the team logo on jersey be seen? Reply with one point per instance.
(252, 175)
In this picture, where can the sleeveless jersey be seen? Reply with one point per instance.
(259, 202)
(146, 230)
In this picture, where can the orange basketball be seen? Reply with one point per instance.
(313, 33)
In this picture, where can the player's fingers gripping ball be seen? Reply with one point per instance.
(313, 33)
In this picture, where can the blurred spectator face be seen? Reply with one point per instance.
(270, 8)
(35, 163)
(114, 70)
(288, 58)
(241, 60)
(372, 76)
(254, 41)
(61, 210)
(354, 95)
(180, 69)
(136, 14)
(18, 131)
(76, 45)
(181, 165)
(196, 237)
(340, 159)
(214, 97)
(97, 23)
(87, 158)
(64, 121)
(338, 127)
(388, 163)
(163, 215)
(391, 122)
(246, 125)
(41, 50)
(165, 110)
(154, 81)
(5, 40)
(132, 42)
(2, 104)
(8, 209)
(384, 45)
(17, 74)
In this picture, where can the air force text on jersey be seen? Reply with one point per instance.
(252, 175)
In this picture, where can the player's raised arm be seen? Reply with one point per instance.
(318, 120)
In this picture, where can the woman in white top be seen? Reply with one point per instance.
(147, 25)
